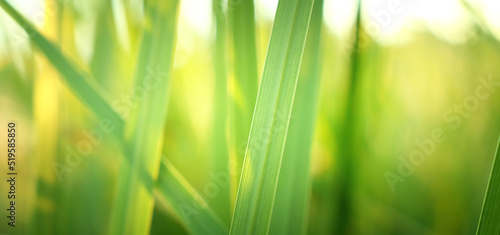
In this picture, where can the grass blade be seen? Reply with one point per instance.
(86, 89)
(266, 142)
(347, 158)
(87, 92)
(488, 222)
(294, 185)
(244, 82)
(220, 156)
(193, 211)
(133, 209)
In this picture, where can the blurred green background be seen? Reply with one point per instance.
(422, 67)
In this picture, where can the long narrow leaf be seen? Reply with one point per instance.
(489, 221)
(86, 89)
(244, 82)
(220, 156)
(133, 209)
(347, 159)
(271, 117)
(294, 185)
(67, 69)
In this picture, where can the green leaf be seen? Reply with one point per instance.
(190, 206)
(294, 185)
(271, 117)
(244, 82)
(133, 207)
(80, 82)
(220, 156)
(490, 215)
(347, 158)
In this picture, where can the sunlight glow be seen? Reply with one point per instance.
(198, 15)
(395, 21)
(490, 10)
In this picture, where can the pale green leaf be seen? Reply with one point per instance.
(294, 185)
(244, 83)
(220, 156)
(133, 207)
(271, 117)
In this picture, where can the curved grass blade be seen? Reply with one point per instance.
(67, 69)
(243, 84)
(193, 211)
(80, 82)
(489, 221)
(266, 142)
(294, 184)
